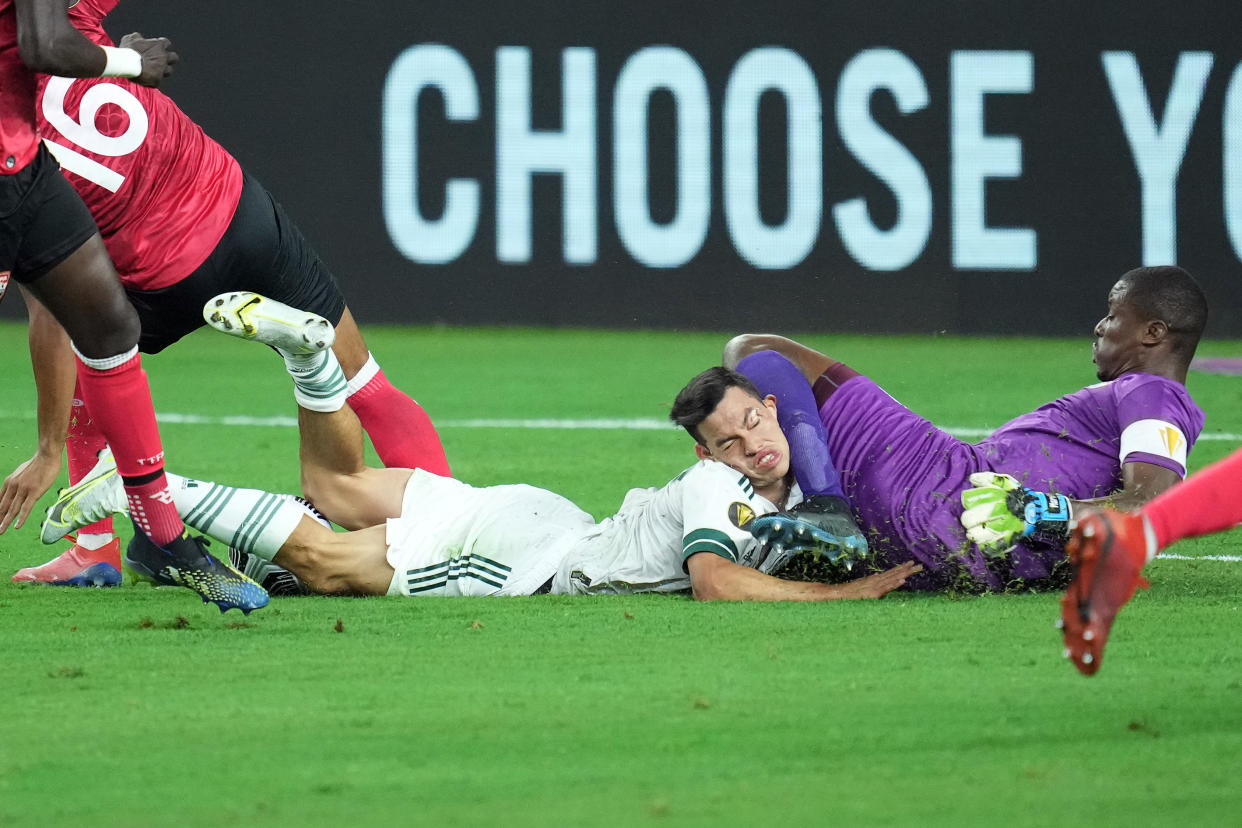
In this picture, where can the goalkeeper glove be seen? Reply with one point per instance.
(999, 512)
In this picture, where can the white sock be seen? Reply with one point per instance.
(246, 519)
(365, 374)
(318, 381)
(93, 540)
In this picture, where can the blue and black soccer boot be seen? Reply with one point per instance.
(822, 524)
(185, 563)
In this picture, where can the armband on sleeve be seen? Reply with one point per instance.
(121, 63)
(1157, 438)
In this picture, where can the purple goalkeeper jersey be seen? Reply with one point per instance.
(904, 476)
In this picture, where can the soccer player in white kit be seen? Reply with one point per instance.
(418, 534)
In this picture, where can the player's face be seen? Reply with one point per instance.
(1118, 337)
(743, 433)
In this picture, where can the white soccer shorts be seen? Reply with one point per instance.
(456, 539)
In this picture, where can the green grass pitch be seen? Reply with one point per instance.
(141, 706)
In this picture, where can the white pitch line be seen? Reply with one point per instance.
(568, 424)
(599, 424)
(1225, 558)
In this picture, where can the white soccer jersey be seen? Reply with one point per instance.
(644, 547)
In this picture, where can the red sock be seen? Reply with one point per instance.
(120, 404)
(399, 428)
(1208, 501)
(82, 447)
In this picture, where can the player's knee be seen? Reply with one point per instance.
(318, 489)
(106, 333)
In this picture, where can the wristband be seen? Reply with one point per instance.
(121, 63)
(1047, 516)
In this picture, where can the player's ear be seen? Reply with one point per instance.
(770, 402)
(701, 452)
(1156, 332)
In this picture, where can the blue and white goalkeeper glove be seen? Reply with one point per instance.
(1000, 512)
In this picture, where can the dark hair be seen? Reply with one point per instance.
(1171, 295)
(696, 402)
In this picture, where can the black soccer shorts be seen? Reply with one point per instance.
(261, 251)
(42, 219)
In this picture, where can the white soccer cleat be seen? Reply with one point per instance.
(98, 495)
(251, 316)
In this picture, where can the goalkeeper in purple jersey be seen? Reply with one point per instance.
(987, 515)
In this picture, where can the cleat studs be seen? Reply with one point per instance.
(1060, 623)
(1066, 653)
(1088, 635)
(1087, 658)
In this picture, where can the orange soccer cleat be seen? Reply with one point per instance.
(1108, 549)
(78, 566)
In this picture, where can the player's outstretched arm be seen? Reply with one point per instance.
(1140, 483)
(713, 578)
(54, 372)
(50, 44)
(999, 511)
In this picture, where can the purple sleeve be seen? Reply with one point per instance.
(1144, 397)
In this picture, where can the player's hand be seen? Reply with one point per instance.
(999, 512)
(158, 58)
(879, 584)
(21, 489)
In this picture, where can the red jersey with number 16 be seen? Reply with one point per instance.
(161, 191)
(18, 139)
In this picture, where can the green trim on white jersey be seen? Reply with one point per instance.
(709, 540)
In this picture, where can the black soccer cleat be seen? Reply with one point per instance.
(185, 563)
(278, 581)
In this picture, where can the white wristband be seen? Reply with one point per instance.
(121, 63)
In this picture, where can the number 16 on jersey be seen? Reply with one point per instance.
(84, 133)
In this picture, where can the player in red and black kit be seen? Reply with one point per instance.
(50, 245)
(183, 222)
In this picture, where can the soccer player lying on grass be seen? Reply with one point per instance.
(1109, 549)
(183, 222)
(1119, 442)
(416, 533)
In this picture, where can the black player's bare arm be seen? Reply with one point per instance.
(810, 362)
(50, 44)
(713, 578)
(1140, 483)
